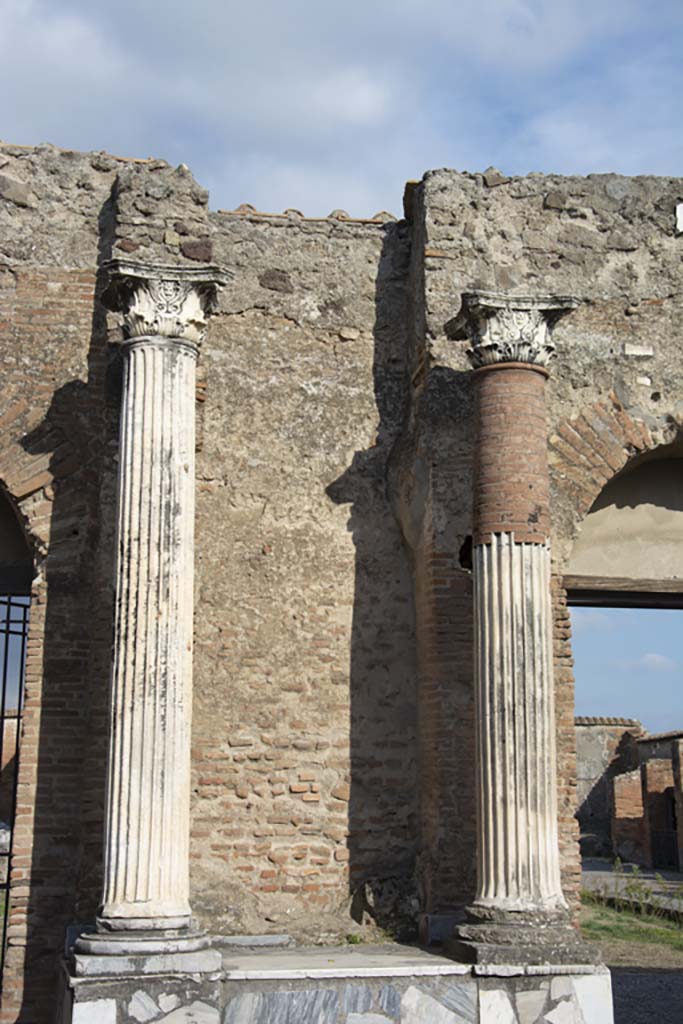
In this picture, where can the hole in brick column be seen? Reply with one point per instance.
(465, 553)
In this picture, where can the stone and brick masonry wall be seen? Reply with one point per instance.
(52, 436)
(615, 383)
(443, 592)
(630, 832)
(305, 783)
(605, 748)
(306, 758)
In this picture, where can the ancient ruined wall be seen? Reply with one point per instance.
(304, 729)
(59, 410)
(605, 748)
(630, 830)
(305, 779)
(333, 721)
(51, 414)
(614, 391)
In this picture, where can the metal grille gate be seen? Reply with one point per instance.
(14, 616)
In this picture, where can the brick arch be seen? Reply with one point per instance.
(587, 450)
(27, 480)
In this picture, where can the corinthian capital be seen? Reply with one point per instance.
(161, 301)
(508, 328)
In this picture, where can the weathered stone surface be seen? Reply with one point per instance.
(276, 280)
(199, 249)
(462, 999)
(168, 1002)
(417, 1007)
(555, 200)
(566, 1012)
(196, 1013)
(495, 1007)
(92, 966)
(594, 996)
(367, 1018)
(14, 190)
(356, 999)
(390, 1001)
(99, 1011)
(493, 177)
(142, 1007)
(318, 1005)
(530, 1004)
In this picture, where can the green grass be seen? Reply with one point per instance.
(600, 923)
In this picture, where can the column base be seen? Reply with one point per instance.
(491, 936)
(146, 943)
(98, 954)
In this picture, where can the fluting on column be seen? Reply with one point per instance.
(146, 856)
(146, 877)
(518, 864)
(519, 912)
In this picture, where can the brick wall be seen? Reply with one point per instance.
(304, 816)
(605, 747)
(630, 831)
(49, 457)
(570, 862)
(447, 834)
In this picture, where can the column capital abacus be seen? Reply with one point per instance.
(504, 328)
(162, 301)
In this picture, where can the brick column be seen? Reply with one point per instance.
(519, 912)
(146, 885)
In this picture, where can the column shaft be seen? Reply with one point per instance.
(147, 817)
(518, 861)
(519, 912)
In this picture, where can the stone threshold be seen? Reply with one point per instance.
(319, 962)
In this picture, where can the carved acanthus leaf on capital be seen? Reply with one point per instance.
(162, 301)
(508, 328)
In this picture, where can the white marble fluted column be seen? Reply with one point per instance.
(518, 857)
(146, 877)
(519, 909)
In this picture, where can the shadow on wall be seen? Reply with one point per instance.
(383, 792)
(73, 599)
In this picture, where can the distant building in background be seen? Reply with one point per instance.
(629, 792)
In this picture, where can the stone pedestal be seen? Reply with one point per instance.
(519, 912)
(145, 903)
(349, 985)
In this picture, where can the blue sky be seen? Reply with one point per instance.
(322, 104)
(629, 662)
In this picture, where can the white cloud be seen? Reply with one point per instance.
(657, 663)
(650, 662)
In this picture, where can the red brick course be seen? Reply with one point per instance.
(587, 450)
(447, 834)
(511, 490)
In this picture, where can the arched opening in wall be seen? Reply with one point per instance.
(625, 588)
(16, 572)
